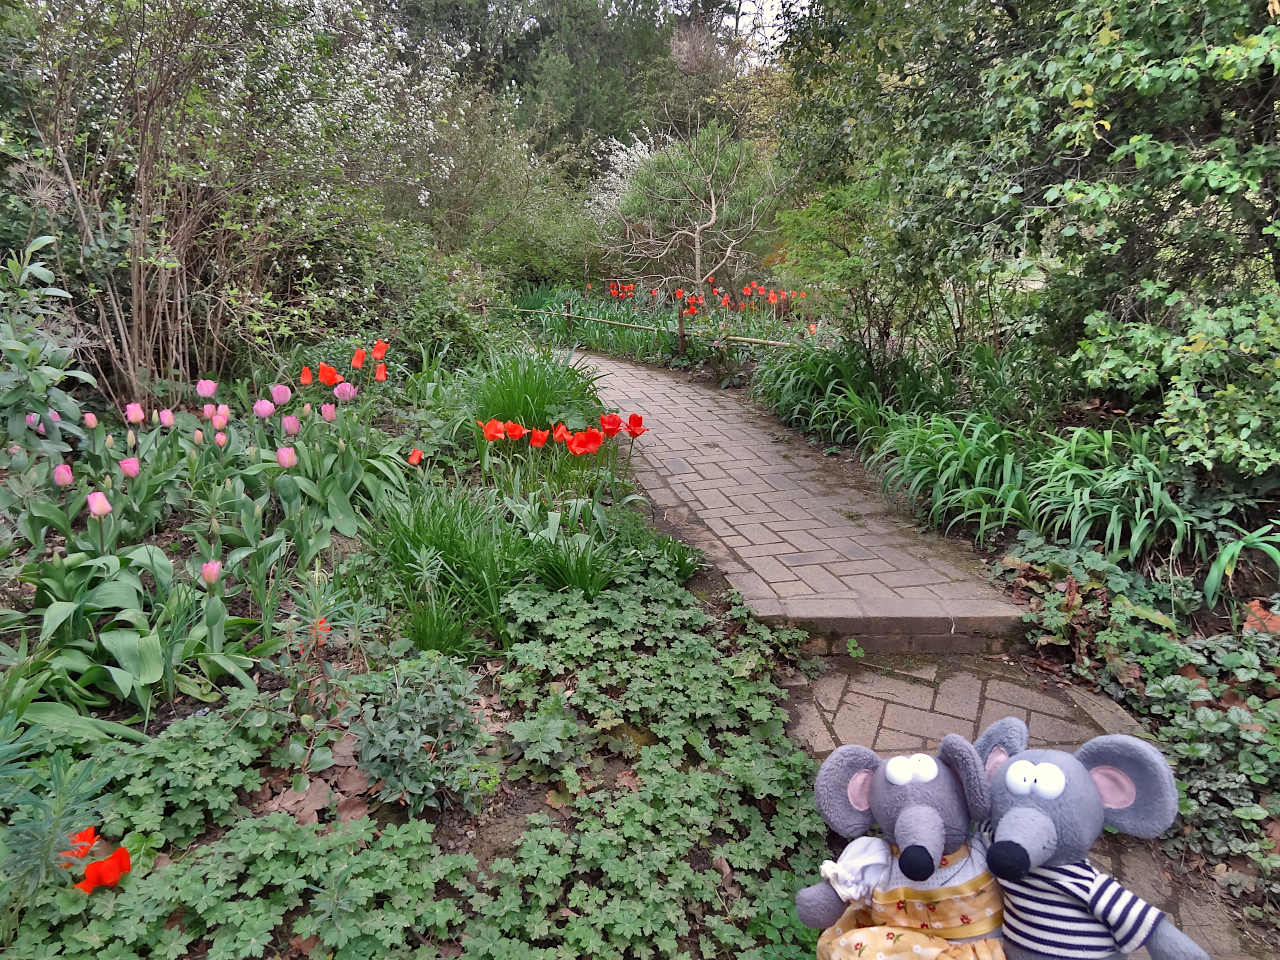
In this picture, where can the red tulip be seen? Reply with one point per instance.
(380, 373)
(653, 292)
(357, 358)
(106, 872)
(380, 349)
(610, 423)
(802, 294)
(538, 437)
(561, 434)
(635, 425)
(415, 457)
(305, 379)
(329, 376)
(514, 430)
(493, 430)
(679, 293)
(586, 442)
(81, 843)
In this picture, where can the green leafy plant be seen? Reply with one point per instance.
(422, 740)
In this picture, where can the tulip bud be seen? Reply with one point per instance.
(214, 526)
(197, 437)
(107, 482)
(166, 418)
(132, 438)
(257, 511)
(62, 475)
(211, 571)
(110, 441)
(99, 505)
(90, 419)
(342, 445)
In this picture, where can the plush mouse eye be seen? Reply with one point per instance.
(1020, 776)
(898, 770)
(1049, 781)
(923, 767)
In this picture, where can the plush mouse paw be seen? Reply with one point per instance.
(1167, 942)
(819, 906)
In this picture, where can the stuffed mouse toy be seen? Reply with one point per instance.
(1048, 808)
(924, 885)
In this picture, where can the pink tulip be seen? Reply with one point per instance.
(33, 420)
(219, 422)
(223, 410)
(206, 388)
(306, 409)
(211, 571)
(53, 415)
(220, 439)
(329, 412)
(198, 437)
(90, 419)
(207, 411)
(166, 418)
(133, 413)
(62, 475)
(291, 425)
(264, 408)
(286, 457)
(14, 449)
(129, 466)
(280, 394)
(345, 391)
(99, 505)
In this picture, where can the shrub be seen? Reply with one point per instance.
(421, 738)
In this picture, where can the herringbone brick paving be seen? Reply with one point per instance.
(803, 537)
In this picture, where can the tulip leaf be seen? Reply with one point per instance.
(340, 512)
(55, 615)
(152, 559)
(60, 718)
(138, 653)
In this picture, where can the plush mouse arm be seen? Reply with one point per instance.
(1169, 943)
(851, 879)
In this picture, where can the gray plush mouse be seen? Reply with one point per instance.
(1048, 808)
(931, 878)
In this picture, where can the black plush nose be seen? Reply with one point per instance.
(1007, 860)
(916, 863)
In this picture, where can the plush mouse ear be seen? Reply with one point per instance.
(999, 742)
(959, 754)
(1139, 795)
(843, 790)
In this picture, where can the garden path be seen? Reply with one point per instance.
(809, 540)
(806, 538)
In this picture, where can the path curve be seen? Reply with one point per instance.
(806, 538)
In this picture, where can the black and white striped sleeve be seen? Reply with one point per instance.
(1130, 919)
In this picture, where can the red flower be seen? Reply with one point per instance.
(357, 358)
(588, 286)
(653, 292)
(635, 425)
(493, 430)
(611, 424)
(538, 438)
(380, 349)
(679, 293)
(106, 872)
(711, 279)
(415, 457)
(773, 297)
(305, 379)
(692, 311)
(81, 843)
(561, 433)
(380, 373)
(329, 376)
(802, 294)
(514, 430)
(813, 328)
(586, 442)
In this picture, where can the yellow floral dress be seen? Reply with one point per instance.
(891, 918)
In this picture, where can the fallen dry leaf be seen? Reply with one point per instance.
(305, 806)
(352, 808)
(352, 780)
(628, 778)
(304, 944)
(1260, 618)
(344, 751)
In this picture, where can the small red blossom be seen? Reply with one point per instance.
(106, 872)
(679, 293)
(586, 442)
(81, 843)
(514, 430)
(493, 430)
(611, 424)
(415, 457)
(357, 358)
(635, 425)
(538, 438)
(380, 372)
(380, 349)
(561, 434)
(329, 376)
(305, 378)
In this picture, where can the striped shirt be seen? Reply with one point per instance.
(1074, 912)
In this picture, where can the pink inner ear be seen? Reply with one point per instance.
(860, 790)
(995, 760)
(1115, 786)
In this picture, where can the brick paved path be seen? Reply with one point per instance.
(805, 537)
(808, 539)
